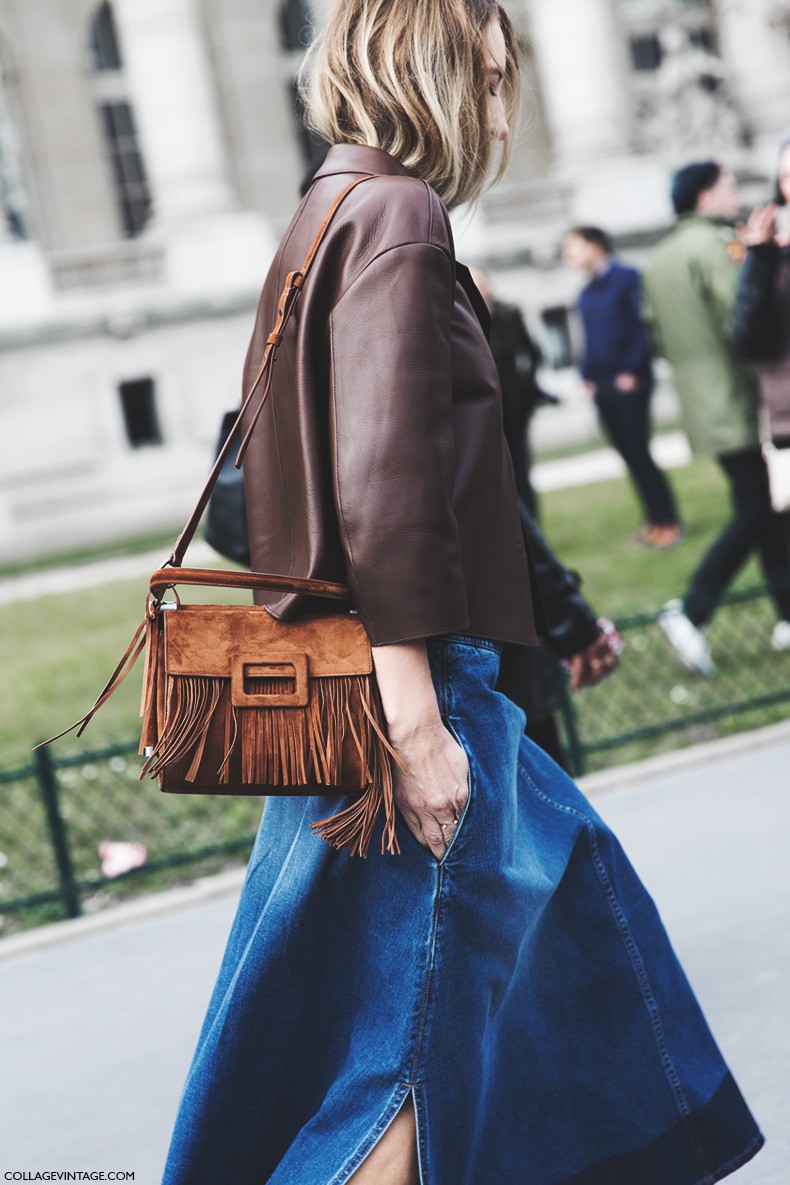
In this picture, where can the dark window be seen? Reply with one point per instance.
(131, 184)
(138, 404)
(104, 41)
(645, 52)
(558, 347)
(296, 27)
(704, 39)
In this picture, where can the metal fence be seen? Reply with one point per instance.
(56, 811)
(651, 704)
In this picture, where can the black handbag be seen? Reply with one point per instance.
(226, 514)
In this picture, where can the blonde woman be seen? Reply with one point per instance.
(498, 1004)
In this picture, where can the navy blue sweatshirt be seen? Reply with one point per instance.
(615, 336)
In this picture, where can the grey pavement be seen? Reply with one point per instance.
(98, 1018)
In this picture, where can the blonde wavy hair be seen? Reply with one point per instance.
(411, 77)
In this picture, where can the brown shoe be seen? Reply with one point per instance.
(660, 536)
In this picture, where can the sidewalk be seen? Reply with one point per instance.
(98, 1026)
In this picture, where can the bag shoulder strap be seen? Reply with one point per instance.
(293, 285)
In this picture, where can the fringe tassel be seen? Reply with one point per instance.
(353, 827)
(153, 642)
(282, 746)
(191, 704)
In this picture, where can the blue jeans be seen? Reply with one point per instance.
(522, 990)
(625, 417)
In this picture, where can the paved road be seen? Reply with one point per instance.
(96, 1032)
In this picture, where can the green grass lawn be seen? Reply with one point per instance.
(592, 528)
(59, 650)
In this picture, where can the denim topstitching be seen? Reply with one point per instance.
(637, 962)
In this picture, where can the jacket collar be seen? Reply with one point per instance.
(360, 158)
(694, 216)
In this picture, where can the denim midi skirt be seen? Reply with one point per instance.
(523, 991)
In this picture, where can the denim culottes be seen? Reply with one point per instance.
(523, 991)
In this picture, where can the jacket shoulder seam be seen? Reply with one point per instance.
(389, 251)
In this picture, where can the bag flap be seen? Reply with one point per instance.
(209, 639)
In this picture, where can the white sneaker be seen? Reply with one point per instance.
(780, 638)
(686, 639)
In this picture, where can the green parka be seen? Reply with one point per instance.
(690, 287)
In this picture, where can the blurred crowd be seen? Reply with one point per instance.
(714, 301)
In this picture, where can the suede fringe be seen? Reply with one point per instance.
(291, 746)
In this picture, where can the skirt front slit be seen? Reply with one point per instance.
(523, 990)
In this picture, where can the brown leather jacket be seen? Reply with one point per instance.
(380, 458)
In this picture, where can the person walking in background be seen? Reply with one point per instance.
(618, 372)
(761, 329)
(690, 288)
(571, 635)
(517, 358)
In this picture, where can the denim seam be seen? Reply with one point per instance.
(369, 1142)
(735, 1162)
(422, 1133)
(642, 978)
(471, 641)
(414, 1069)
(470, 789)
(444, 706)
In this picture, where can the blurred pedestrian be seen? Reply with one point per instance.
(761, 330)
(517, 358)
(571, 635)
(617, 369)
(690, 286)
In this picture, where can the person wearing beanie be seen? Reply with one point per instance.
(690, 288)
(617, 368)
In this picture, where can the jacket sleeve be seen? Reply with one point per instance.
(571, 623)
(718, 278)
(392, 444)
(754, 324)
(584, 345)
(651, 320)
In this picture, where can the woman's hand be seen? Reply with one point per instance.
(432, 793)
(761, 227)
(592, 664)
(432, 788)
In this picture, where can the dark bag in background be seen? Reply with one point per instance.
(226, 514)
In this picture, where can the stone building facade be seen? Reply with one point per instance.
(151, 152)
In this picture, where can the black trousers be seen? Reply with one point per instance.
(546, 734)
(754, 526)
(625, 418)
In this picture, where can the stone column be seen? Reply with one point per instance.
(5, 233)
(26, 288)
(211, 245)
(581, 62)
(757, 54)
(167, 67)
